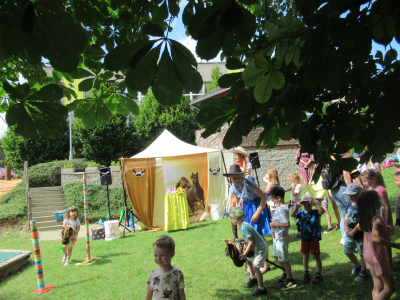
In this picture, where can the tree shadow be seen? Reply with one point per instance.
(338, 283)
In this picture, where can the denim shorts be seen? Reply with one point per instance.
(350, 246)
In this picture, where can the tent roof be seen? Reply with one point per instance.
(169, 145)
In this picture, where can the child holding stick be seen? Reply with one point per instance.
(72, 220)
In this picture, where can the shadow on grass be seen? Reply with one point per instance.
(74, 283)
(337, 282)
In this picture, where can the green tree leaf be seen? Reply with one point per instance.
(167, 86)
(189, 76)
(263, 89)
(184, 51)
(237, 88)
(277, 80)
(232, 138)
(80, 73)
(228, 80)
(233, 63)
(252, 75)
(86, 85)
(142, 77)
(119, 58)
(153, 29)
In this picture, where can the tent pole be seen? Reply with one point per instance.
(223, 160)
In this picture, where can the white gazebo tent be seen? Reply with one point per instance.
(149, 174)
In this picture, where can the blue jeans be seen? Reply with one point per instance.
(342, 201)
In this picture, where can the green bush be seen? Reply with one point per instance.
(49, 174)
(97, 199)
(13, 204)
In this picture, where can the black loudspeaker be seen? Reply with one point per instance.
(255, 162)
(105, 176)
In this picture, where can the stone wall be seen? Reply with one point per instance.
(282, 157)
(92, 178)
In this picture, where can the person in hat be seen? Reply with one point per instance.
(239, 155)
(310, 235)
(305, 167)
(355, 237)
(251, 235)
(246, 194)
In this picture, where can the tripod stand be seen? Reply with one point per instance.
(128, 211)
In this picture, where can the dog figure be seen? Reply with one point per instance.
(215, 171)
(195, 193)
(183, 183)
(139, 173)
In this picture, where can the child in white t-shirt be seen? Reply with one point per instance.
(165, 281)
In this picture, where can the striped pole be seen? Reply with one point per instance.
(38, 260)
(86, 209)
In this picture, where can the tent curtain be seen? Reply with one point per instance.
(142, 199)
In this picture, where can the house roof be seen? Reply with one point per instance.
(214, 93)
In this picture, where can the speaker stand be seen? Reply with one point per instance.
(257, 177)
(108, 198)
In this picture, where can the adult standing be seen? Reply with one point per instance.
(341, 199)
(239, 155)
(246, 194)
(306, 162)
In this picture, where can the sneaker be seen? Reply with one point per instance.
(306, 278)
(251, 283)
(342, 241)
(356, 270)
(64, 258)
(66, 263)
(258, 292)
(282, 279)
(316, 278)
(328, 230)
(288, 284)
(296, 237)
(363, 275)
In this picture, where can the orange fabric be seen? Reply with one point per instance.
(142, 199)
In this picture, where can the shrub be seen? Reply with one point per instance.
(97, 199)
(107, 141)
(49, 174)
(36, 150)
(13, 204)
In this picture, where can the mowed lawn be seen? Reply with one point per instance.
(126, 263)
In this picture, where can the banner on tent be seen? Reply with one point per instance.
(189, 172)
(217, 189)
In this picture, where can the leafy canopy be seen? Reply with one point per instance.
(297, 56)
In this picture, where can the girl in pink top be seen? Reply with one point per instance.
(377, 245)
(374, 181)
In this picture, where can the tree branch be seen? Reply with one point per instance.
(301, 31)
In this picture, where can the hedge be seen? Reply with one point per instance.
(97, 199)
(49, 174)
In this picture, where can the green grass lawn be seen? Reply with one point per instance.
(209, 274)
